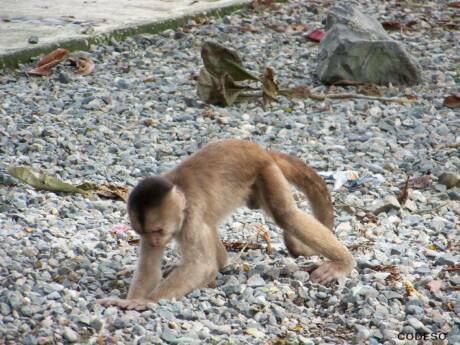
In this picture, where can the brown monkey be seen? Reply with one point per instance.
(188, 203)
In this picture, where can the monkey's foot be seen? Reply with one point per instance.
(130, 304)
(326, 272)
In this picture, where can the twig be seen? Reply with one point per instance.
(306, 93)
(432, 209)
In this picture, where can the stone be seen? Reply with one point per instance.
(389, 203)
(64, 78)
(256, 281)
(70, 335)
(356, 47)
(449, 179)
(33, 39)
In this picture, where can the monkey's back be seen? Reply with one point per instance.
(223, 171)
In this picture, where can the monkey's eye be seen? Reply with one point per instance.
(158, 231)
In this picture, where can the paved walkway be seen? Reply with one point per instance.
(75, 24)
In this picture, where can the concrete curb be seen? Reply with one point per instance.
(14, 58)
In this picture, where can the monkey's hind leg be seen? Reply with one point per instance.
(295, 247)
(304, 228)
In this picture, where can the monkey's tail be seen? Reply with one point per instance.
(310, 183)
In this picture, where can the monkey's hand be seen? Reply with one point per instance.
(130, 304)
(328, 271)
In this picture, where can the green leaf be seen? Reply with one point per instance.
(41, 181)
(219, 60)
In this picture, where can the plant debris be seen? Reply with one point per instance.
(452, 101)
(404, 192)
(42, 181)
(241, 246)
(219, 60)
(83, 65)
(47, 62)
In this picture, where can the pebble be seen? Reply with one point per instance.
(70, 335)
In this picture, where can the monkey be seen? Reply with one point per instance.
(187, 204)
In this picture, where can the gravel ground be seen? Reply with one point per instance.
(58, 255)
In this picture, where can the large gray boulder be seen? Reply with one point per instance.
(356, 47)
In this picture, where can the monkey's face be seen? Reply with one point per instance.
(161, 223)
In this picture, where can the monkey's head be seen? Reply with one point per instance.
(156, 210)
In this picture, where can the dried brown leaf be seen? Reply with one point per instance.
(370, 90)
(452, 268)
(241, 246)
(83, 64)
(249, 28)
(455, 4)
(452, 101)
(297, 27)
(111, 191)
(404, 192)
(47, 62)
(270, 87)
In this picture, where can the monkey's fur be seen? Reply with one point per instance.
(188, 203)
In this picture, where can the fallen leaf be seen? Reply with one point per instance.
(276, 27)
(231, 91)
(219, 60)
(392, 25)
(316, 35)
(370, 90)
(42, 181)
(209, 89)
(249, 28)
(46, 63)
(83, 64)
(297, 27)
(404, 192)
(241, 246)
(398, 25)
(455, 4)
(111, 191)
(452, 101)
(435, 285)
(270, 87)
(218, 91)
(453, 268)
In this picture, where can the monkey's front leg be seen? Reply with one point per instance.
(146, 277)
(186, 278)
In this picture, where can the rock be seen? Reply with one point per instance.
(356, 47)
(449, 179)
(33, 39)
(445, 259)
(389, 203)
(96, 324)
(256, 281)
(70, 335)
(64, 78)
(417, 325)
